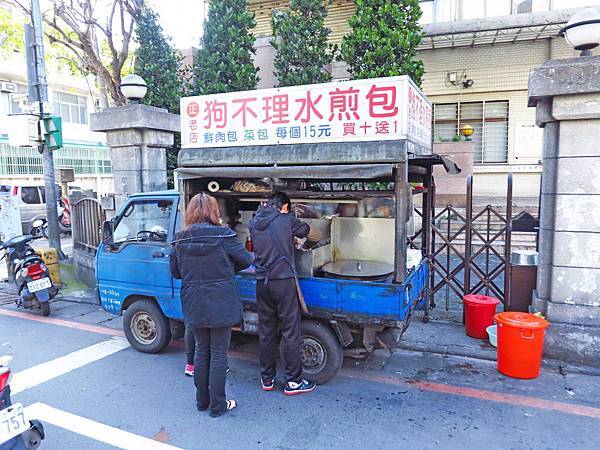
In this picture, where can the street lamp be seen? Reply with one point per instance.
(133, 87)
(582, 31)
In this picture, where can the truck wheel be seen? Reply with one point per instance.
(146, 327)
(321, 352)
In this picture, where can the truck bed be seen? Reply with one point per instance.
(355, 301)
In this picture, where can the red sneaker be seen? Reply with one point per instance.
(189, 370)
(267, 385)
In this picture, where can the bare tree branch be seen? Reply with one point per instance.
(75, 25)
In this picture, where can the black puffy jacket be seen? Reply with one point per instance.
(273, 241)
(205, 257)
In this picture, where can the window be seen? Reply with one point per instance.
(450, 10)
(72, 108)
(141, 217)
(18, 101)
(43, 192)
(488, 119)
(565, 4)
(28, 161)
(529, 6)
(30, 195)
(427, 12)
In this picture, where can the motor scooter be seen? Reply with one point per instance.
(39, 227)
(32, 277)
(17, 432)
(64, 214)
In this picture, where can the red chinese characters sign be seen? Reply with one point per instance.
(362, 110)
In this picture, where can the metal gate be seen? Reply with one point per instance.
(88, 217)
(469, 249)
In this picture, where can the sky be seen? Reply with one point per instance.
(181, 19)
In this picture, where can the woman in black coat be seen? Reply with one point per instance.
(205, 256)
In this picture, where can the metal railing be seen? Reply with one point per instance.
(87, 216)
(469, 250)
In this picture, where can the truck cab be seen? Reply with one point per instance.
(133, 268)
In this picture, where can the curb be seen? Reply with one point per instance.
(467, 352)
(488, 355)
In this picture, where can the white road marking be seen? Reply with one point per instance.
(41, 373)
(92, 429)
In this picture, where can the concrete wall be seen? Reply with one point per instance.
(567, 95)
(451, 188)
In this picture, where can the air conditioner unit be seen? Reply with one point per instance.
(6, 86)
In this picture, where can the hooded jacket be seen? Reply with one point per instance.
(273, 240)
(205, 258)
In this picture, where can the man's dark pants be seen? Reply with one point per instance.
(279, 313)
(210, 367)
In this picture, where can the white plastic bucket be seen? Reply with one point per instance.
(492, 332)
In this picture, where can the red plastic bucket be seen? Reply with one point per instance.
(520, 344)
(479, 314)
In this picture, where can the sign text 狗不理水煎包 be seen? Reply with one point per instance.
(358, 110)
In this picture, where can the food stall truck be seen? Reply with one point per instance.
(346, 153)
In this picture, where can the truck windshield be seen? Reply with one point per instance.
(144, 221)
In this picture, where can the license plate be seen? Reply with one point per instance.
(12, 422)
(38, 285)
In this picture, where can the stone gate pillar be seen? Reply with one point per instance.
(566, 94)
(138, 136)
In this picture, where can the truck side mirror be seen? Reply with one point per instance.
(108, 230)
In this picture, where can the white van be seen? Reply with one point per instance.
(31, 199)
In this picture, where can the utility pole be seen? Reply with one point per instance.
(38, 92)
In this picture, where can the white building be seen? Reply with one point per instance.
(72, 98)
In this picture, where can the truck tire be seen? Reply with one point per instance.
(321, 352)
(146, 327)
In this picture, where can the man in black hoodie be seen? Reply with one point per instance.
(273, 230)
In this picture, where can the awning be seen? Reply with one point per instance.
(494, 30)
(336, 172)
(320, 172)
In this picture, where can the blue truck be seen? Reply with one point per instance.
(363, 278)
(356, 283)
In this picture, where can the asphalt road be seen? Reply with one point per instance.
(80, 377)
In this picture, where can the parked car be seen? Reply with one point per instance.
(31, 200)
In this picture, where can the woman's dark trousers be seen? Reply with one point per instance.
(210, 367)
(190, 345)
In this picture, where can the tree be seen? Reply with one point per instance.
(76, 26)
(384, 39)
(300, 38)
(11, 33)
(224, 61)
(157, 63)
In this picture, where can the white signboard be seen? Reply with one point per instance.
(10, 218)
(360, 110)
(21, 130)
